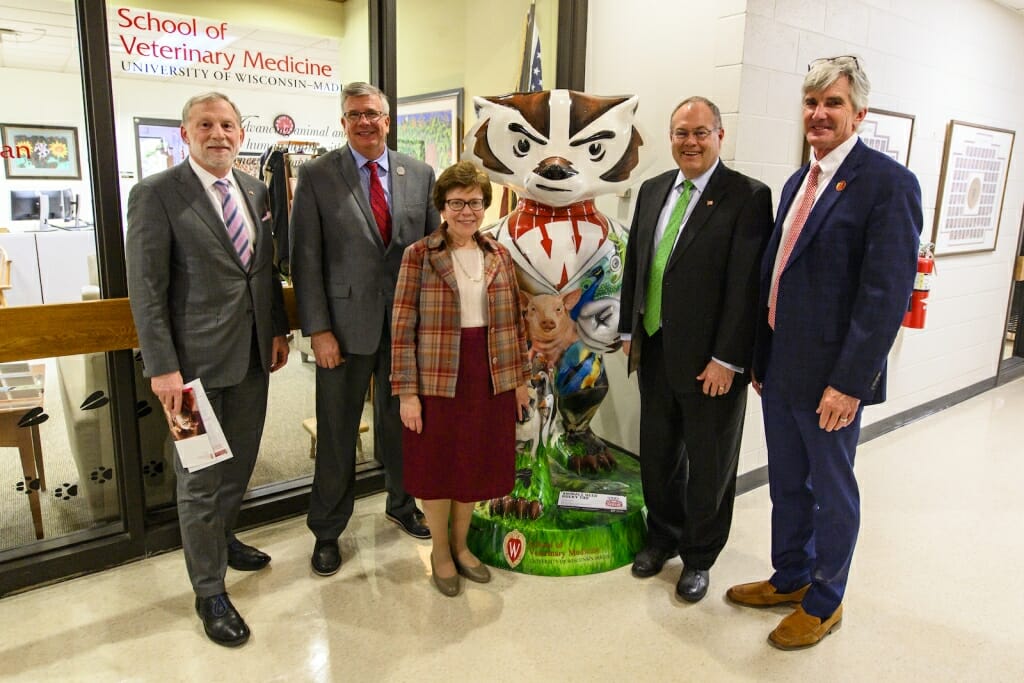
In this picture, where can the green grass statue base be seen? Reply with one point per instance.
(565, 542)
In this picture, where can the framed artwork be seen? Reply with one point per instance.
(158, 145)
(247, 162)
(40, 152)
(889, 132)
(975, 164)
(430, 127)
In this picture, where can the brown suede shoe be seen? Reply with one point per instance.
(800, 629)
(763, 594)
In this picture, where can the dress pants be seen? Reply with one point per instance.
(815, 502)
(689, 452)
(209, 499)
(340, 394)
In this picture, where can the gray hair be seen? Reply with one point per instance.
(361, 89)
(206, 97)
(716, 115)
(825, 71)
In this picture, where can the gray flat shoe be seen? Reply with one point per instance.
(449, 586)
(479, 573)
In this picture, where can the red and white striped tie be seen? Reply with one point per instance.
(802, 212)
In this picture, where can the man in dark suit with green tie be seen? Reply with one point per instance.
(689, 299)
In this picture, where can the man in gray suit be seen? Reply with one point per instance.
(208, 305)
(355, 211)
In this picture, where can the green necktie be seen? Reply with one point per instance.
(652, 308)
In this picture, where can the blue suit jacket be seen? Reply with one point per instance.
(846, 286)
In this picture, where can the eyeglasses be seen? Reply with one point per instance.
(460, 204)
(370, 116)
(834, 60)
(700, 135)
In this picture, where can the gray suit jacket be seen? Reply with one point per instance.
(344, 276)
(194, 304)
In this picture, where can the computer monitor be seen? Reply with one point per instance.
(25, 204)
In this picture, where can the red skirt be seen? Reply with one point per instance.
(466, 450)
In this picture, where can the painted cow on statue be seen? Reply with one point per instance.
(558, 150)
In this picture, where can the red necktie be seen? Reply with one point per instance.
(379, 204)
(802, 212)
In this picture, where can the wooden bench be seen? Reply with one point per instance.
(309, 424)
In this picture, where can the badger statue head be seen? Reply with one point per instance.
(557, 147)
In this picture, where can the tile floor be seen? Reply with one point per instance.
(931, 596)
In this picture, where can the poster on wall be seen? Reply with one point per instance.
(889, 132)
(40, 151)
(975, 163)
(158, 145)
(430, 127)
(186, 48)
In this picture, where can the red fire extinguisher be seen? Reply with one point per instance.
(918, 308)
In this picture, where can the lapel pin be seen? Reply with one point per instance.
(251, 193)
(400, 170)
(711, 202)
(840, 186)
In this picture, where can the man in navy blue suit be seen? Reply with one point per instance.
(835, 281)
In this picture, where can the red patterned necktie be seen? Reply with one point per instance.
(802, 212)
(379, 204)
(234, 222)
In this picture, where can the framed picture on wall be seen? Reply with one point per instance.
(889, 132)
(975, 164)
(40, 151)
(247, 162)
(158, 145)
(430, 127)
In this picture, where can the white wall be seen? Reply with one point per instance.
(935, 60)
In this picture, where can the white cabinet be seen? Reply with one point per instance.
(48, 267)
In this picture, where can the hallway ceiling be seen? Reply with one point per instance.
(42, 37)
(1016, 5)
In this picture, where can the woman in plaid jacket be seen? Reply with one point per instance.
(459, 367)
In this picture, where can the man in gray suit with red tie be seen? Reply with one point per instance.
(207, 305)
(835, 282)
(355, 211)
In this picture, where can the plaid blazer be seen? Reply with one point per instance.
(426, 329)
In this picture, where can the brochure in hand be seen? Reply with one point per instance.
(197, 435)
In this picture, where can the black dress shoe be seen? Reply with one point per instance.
(649, 561)
(693, 584)
(221, 621)
(326, 558)
(412, 523)
(245, 558)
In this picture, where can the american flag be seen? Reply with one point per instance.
(530, 75)
(529, 81)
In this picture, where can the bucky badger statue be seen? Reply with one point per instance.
(558, 150)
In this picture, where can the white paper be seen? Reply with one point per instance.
(198, 437)
(581, 500)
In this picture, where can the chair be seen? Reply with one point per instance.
(5, 276)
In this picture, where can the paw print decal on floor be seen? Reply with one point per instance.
(33, 417)
(94, 400)
(28, 486)
(153, 469)
(101, 475)
(66, 491)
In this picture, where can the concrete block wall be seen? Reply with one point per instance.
(938, 61)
